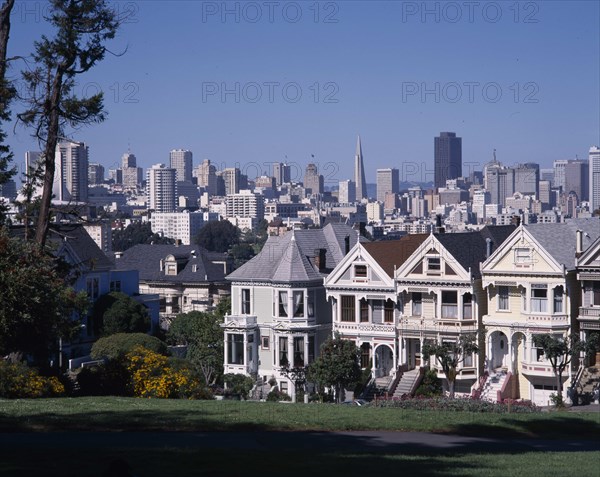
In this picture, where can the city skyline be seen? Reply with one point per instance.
(151, 111)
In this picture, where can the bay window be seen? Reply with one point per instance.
(298, 297)
(283, 303)
(348, 313)
(558, 300)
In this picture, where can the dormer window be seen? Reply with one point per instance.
(522, 256)
(360, 271)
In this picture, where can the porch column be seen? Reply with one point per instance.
(460, 304)
(305, 349)
(403, 350)
(510, 353)
(246, 351)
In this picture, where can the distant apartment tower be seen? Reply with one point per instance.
(132, 176)
(347, 192)
(231, 177)
(594, 173)
(499, 182)
(182, 226)
(281, 173)
(71, 172)
(206, 174)
(388, 180)
(101, 233)
(447, 158)
(313, 181)
(33, 160)
(181, 161)
(161, 188)
(246, 204)
(577, 178)
(359, 173)
(546, 196)
(95, 173)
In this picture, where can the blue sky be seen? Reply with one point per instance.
(262, 81)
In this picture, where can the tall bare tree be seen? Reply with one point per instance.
(82, 28)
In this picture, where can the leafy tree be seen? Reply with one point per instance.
(218, 236)
(36, 304)
(7, 93)
(117, 312)
(560, 351)
(241, 253)
(137, 233)
(450, 354)
(116, 347)
(239, 384)
(81, 29)
(337, 366)
(431, 385)
(203, 336)
(297, 375)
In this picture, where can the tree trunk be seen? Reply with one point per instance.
(451, 388)
(4, 34)
(559, 385)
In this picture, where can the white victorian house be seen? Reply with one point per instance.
(279, 313)
(533, 288)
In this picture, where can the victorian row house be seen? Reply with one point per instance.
(280, 315)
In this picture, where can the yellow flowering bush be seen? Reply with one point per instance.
(17, 380)
(154, 377)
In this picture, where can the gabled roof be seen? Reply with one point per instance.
(288, 258)
(469, 249)
(390, 254)
(559, 240)
(146, 258)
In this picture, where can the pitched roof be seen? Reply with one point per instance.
(469, 249)
(146, 258)
(390, 254)
(559, 240)
(287, 258)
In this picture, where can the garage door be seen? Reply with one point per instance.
(541, 394)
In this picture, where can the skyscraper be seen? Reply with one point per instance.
(181, 161)
(206, 174)
(132, 176)
(447, 158)
(388, 180)
(161, 188)
(231, 177)
(527, 177)
(71, 171)
(347, 192)
(499, 182)
(313, 182)
(95, 173)
(359, 173)
(594, 191)
(281, 173)
(577, 178)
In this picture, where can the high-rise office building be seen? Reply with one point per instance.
(132, 176)
(281, 173)
(527, 177)
(33, 160)
(313, 181)
(577, 178)
(232, 179)
(594, 173)
(206, 174)
(359, 173)
(347, 192)
(447, 158)
(71, 172)
(499, 182)
(181, 161)
(95, 173)
(559, 173)
(388, 180)
(161, 188)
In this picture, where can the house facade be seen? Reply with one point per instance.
(280, 316)
(588, 275)
(533, 287)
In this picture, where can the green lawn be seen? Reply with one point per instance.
(115, 413)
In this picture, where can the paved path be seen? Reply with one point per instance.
(362, 441)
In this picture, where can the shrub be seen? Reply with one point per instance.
(17, 380)
(461, 404)
(117, 312)
(154, 377)
(118, 345)
(238, 384)
(431, 385)
(109, 379)
(275, 396)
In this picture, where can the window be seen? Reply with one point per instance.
(235, 349)
(434, 264)
(283, 351)
(365, 355)
(298, 304)
(449, 304)
(467, 306)
(503, 298)
(310, 306)
(558, 300)
(299, 352)
(360, 271)
(388, 311)
(417, 302)
(283, 386)
(93, 288)
(264, 342)
(115, 286)
(283, 304)
(595, 293)
(348, 313)
(522, 256)
(468, 361)
(364, 311)
(311, 349)
(539, 299)
(245, 301)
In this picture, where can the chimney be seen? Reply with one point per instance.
(346, 244)
(320, 259)
(579, 242)
(488, 247)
